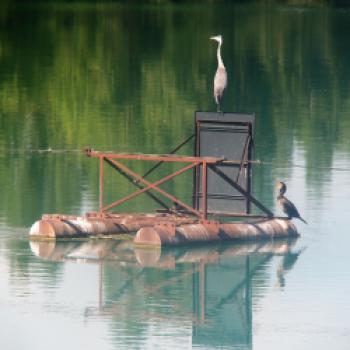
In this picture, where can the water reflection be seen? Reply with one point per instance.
(287, 263)
(205, 292)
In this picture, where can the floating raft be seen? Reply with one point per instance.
(160, 229)
(211, 231)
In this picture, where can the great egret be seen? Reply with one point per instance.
(220, 79)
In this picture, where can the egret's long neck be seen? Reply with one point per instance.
(220, 63)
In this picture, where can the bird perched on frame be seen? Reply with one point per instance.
(220, 79)
(285, 204)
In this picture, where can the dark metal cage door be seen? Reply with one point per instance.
(228, 136)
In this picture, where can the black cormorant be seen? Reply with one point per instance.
(286, 205)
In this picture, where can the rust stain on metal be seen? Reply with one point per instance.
(169, 227)
(208, 232)
(99, 224)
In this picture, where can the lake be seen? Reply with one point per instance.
(129, 78)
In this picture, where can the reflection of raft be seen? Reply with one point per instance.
(127, 254)
(158, 229)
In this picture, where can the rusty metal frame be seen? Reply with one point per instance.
(113, 159)
(144, 186)
(150, 186)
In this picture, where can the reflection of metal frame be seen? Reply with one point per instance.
(201, 281)
(226, 302)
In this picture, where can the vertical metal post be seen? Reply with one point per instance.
(204, 190)
(101, 183)
(249, 167)
(197, 169)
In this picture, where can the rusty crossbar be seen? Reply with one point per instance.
(138, 185)
(150, 186)
(112, 159)
(158, 157)
(171, 152)
(145, 186)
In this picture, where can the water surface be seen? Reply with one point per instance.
(129, 78)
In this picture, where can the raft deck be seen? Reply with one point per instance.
(159, 229)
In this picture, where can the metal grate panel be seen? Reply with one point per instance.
(229, 136)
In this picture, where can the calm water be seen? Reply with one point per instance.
(129, 78)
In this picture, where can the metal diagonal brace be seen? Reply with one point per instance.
(244, 156)
(154, 186)
(171, 152)
(241, 190)
(149, 187)
(132, 180)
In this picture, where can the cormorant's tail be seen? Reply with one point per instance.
(302, 220)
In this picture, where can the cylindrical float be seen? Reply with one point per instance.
(68, 226)
(74, 228)
(206, 232)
